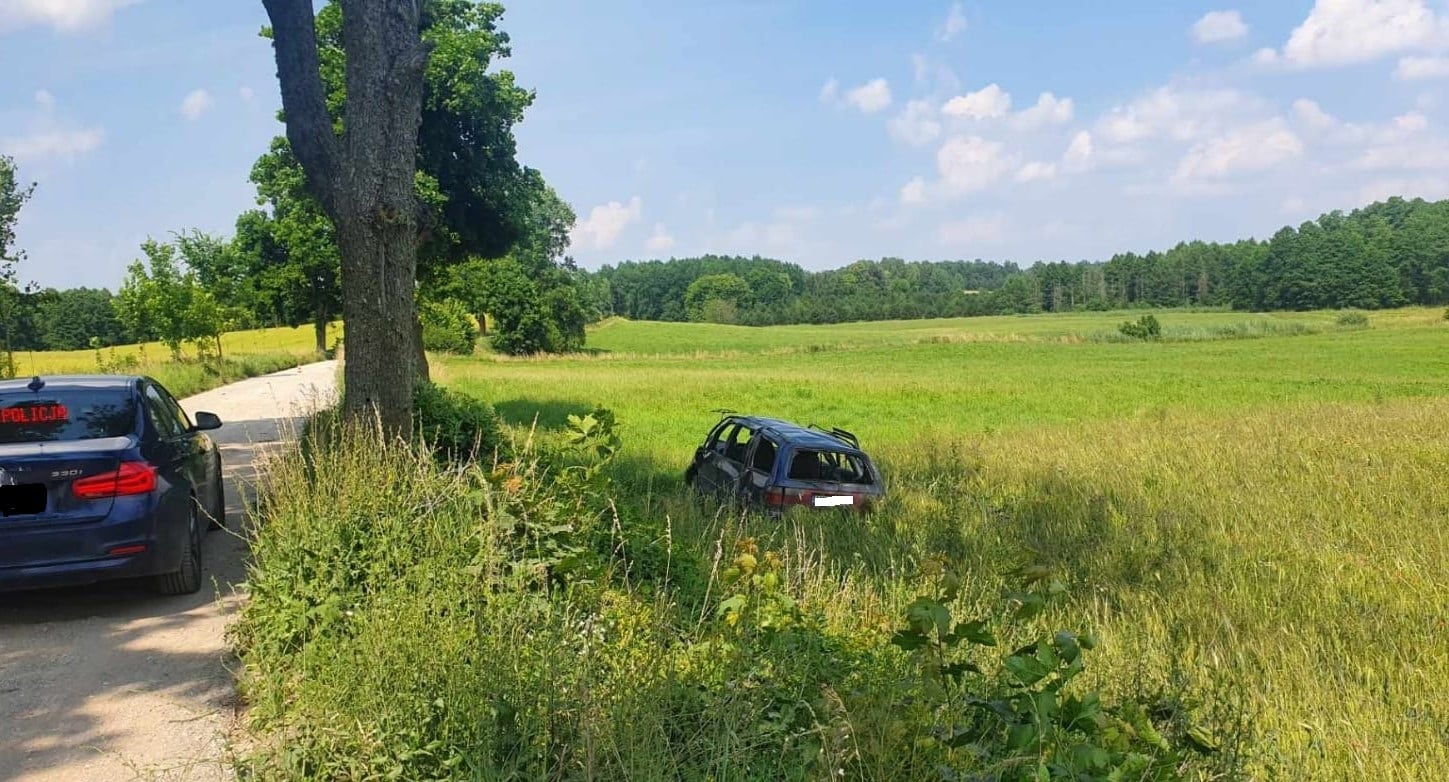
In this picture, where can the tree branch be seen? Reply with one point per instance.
(304, 102)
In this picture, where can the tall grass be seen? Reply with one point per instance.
(515, 621)
(1281, 573)
(1253, 531)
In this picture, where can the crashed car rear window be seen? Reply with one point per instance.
(831, 466)
(62, 415)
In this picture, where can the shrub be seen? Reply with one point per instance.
(457, 426)
(1353, 320)
(447, 327)
(1146, 328)
(525, 331)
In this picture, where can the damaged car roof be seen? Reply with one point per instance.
(796, 434)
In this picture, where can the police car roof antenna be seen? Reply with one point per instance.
(36, 384)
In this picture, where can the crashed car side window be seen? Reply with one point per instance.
(764, 460)
(715, 434)
(739, 443)
(830, 466)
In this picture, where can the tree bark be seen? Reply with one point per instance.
(378, 374)
(319, 330)
(365, 181)
(420, 354)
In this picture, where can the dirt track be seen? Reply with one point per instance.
(111, 682)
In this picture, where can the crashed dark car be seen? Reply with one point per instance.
(772, 464)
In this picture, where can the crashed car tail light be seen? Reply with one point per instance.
(131, 478)
(779, 497)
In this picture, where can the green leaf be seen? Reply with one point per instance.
(1027, 670)
(975, 632)
(731, 605)
(1202, 739)
(908, 640)
(1134, 715)
(1031, 606)
(1020, 736)
(925, 614)
(1067, 646)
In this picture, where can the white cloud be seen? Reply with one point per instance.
(964, 164)
(1036, 171)
(1384, 136)
(1313, 115)
(1079, 152)
(916, 125)
(1413, 122)
(954, 25)
(1049, 110)
(1425, 154)
(1419, 68)
(52, 144)
(830, 91)
(791, 231)
(969, 163)
(46, 100)
(195, 104)
(973, 230)
(914, 192)
(989, 102)
(64, 15)
(1182, 115)
(1266, 56)
(1253, 148)
(871, 97)
(605, 222)
(1293, 205)
(1220, 27)
(660, 241)
(1343, 32)
(247, 94)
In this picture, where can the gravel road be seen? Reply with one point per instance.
(111, 682)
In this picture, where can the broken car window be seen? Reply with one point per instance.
(830, 466)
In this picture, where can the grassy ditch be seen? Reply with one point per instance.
(524, 618)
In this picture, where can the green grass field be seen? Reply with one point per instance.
(1259, 523)
(245, 354)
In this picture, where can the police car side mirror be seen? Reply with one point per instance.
(206, 422)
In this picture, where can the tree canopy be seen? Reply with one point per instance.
(479, 201)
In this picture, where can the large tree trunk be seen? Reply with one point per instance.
(365, 181)
(319, 330)
(420, 354)
(377, 278)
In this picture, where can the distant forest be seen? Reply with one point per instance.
(1389, 254)
(1386, 255)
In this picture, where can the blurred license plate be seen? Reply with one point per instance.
(830, 502)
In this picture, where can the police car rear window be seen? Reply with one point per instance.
(65, 415)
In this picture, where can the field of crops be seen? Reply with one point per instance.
(1251, 513)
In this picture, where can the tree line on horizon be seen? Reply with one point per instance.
(280, 269)
(1389, 254)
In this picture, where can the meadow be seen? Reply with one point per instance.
(1263, 518)
(243, 354)
(1248, 520)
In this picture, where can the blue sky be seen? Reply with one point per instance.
(817, 132)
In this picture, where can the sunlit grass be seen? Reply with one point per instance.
(1260, 520)
(244, 353)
